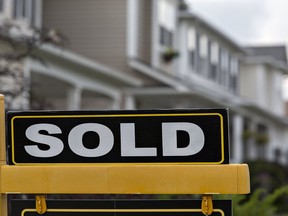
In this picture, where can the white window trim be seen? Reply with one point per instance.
(132, 28)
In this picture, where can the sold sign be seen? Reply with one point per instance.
(155, 136)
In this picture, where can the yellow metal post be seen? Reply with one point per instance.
(207, 204)
(3, 197)
(40, 203)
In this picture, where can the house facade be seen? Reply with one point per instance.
(149, 54)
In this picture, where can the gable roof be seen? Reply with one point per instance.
(276, 52)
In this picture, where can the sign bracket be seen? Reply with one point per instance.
(41, 206)
(207, 204)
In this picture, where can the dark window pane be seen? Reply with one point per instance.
(166, 37)
(1, 5)
(192, 58)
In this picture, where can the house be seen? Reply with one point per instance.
(261, 75)
(57, 78)
(144, 54)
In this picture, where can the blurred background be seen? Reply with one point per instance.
(147, 54)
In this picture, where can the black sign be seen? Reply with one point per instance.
(154, 136)
(120, 208)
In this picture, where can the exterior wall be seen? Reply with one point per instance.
(107, 31)
(248, 77)
(262, 85)
(276, 102)
(96, 29)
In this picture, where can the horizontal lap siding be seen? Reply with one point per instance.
(95, 28)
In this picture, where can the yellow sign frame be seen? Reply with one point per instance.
(122, 210)
(119, 179)
(126, 179)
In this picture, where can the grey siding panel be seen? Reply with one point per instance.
(82, 22)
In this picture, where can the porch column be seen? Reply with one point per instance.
(197, 52)
(183, 47)
(252, 146)
(237, 138)
(116, 103)
(129, 102)
(74, 98)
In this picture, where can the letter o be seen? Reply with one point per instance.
(106, 140)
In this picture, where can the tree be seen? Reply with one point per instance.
(16, 43)
(258, 203)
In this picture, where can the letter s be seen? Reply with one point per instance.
(56, 146)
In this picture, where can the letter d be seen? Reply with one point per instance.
(169, 136)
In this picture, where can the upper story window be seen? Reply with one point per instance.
(224, 66)
(203, 54)
(191, 45)
(166, 37)
(1, 5)
(214, 60)
(26, 10)
(167, 22)
(167, 14)
(224, 63)
(233, 73)
(203, 46)
(214, 57)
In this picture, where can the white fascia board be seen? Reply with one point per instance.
(183, 86)
(78, 80)
(155, 91)
(158, 75)
(266, 60)
(210, 89)
(86, 62)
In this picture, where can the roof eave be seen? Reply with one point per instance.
(266, 60)
(189, 15)
(91, 64)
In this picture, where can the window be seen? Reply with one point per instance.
(166, 37)
(167, 22)
(214, 60)
(224, 64)
(25, 10)
(1, 5)
(167, 14)
(191, 46)
(203, 53)
(262, 138)
(233, 74)
(247, 136)
(203, 46)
